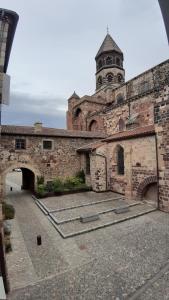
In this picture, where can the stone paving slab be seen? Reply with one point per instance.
(66, 201)
(30, 227)
(76, 213)
(75, 227)
(126, 257)
(19, 260)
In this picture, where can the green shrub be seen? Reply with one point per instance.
(8, 210)
(81, 175)
(57, 185)
(41, 190)
(40, 180)
(8, 246)
(49, 186)
(72, 182)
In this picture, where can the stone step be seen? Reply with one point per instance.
(74, 228)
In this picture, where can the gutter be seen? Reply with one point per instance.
(157, 166)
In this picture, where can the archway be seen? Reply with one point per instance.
(27, 175)
(93, 126)
(147, 189)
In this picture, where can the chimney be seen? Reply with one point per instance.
(37, 126)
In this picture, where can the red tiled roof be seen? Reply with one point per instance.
(45, 131)
(90, 147)
(128, 134)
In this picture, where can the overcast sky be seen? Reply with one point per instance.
(55, 45)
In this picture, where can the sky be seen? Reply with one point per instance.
(55, 45)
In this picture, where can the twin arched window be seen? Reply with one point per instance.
(100, 64)
(99, 80)
(109, 77)
(109, 60)
(120, 99)
(77, 112)
(119, 77)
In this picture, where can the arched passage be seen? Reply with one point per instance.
(147, 189)
(93, 126)
(28, 178)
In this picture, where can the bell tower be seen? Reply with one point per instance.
(109, 64)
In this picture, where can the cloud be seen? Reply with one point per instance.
(25, 108)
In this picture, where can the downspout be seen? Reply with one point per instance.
(157, 166)
(101, 155)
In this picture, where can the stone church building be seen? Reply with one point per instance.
(119, 135)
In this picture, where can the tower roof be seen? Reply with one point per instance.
(74, 95)
(108, 45)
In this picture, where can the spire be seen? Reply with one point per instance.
(74, 95)
(108, 45)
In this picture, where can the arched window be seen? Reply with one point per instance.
(93, 126)
(120, 160)
(100, 63)
(120, 99)
(118, 61)
(109, 60)
(77, 112)
(99, 80)
(121, 124)
(120, 78)
(109, 77)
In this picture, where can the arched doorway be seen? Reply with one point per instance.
(147, 190)
(93, 126)
(150, 194)
(21, 179)
(19, 176)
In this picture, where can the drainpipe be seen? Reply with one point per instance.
(157, 166)
(102, 155)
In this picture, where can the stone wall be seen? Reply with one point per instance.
(139, 164)
(99, 169)
(161, 112)
(62, 160)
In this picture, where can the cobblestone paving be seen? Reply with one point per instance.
(109, 264)
(124, 258)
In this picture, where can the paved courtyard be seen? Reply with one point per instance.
(127, 260)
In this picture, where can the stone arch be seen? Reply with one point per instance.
(109, 77)
(99, 80)
(109, 60)
(120, 77)
(121, 124)
(77, 112)
(16, 165)
(118, 157)
(93, 126)
(144, 184)
(120, 98)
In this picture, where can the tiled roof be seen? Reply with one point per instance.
(108, 45)
(128, 134)
(45, 131)
(74, 95)
(90, 147)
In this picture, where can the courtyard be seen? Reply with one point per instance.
(126, 260)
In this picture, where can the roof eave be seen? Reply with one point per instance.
(14, 17)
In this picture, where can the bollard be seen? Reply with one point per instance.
(39, 240)
(11, 188)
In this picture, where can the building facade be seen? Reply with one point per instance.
(133, 159)
(118, 135)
